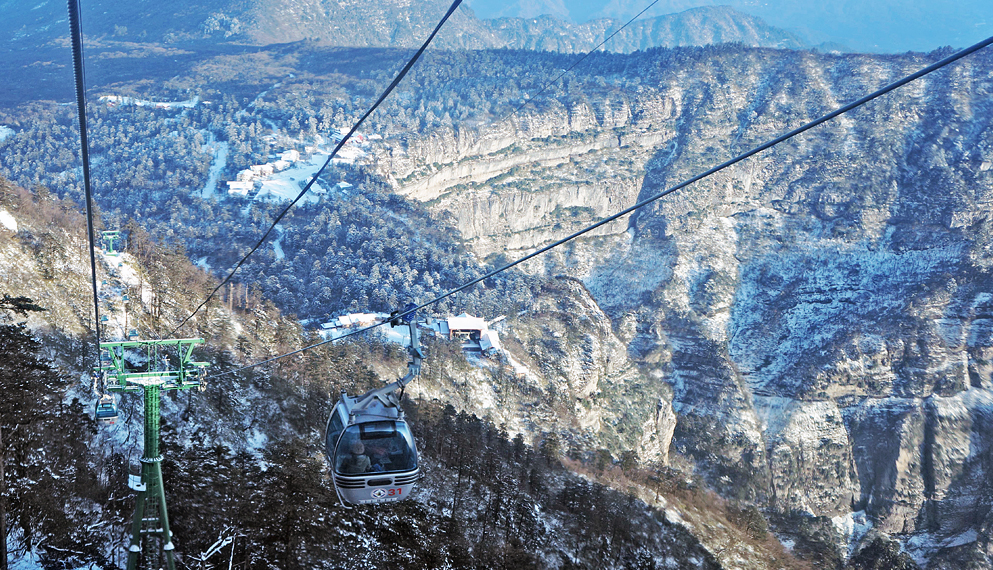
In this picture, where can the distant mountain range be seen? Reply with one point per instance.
(391, 23)
(698, 26)
(887, 26)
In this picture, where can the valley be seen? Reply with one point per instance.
(806, 335)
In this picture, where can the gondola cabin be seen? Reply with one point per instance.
(105, 411)
(371, 450)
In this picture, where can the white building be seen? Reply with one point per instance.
(465, 326)
(474, 332)
(240, 187)
(260, 170)
(489, 341)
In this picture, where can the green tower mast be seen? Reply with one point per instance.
(151, 517)
(109, 237)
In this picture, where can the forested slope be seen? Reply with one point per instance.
(243, 458)
(775, 324)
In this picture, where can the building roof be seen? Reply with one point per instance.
(489, 340)
(240, 187)
(464, 322)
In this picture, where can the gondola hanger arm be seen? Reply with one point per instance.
(413, 369)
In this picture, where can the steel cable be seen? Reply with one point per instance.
(77, 64)
(265, 236)
(765, 146)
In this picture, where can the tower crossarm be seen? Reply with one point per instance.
(181, 374)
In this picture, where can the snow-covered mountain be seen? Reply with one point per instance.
(808, 333)
(393, 23)
(821, 312)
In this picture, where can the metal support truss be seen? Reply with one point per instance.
(109, 237)
(168, 365)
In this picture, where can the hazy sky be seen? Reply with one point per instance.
(865, 25)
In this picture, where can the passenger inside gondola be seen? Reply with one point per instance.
(379, 455)
(357, 461)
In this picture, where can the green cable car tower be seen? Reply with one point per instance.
(169, 366)
(109, 237)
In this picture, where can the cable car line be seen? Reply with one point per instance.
(105, 408)
(355, 127)
(150, 515)
(509, 115)
(764, 146)
(341, 143)
(77, 64)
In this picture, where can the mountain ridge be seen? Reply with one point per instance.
(384, 24)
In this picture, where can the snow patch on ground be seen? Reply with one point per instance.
(276, 246)
(967, 537)
(672, 516)
(117, 266)
(29, 561)
(851, 528)
(129, 277)
(481, 393)
(922, 546)
(6, 132)
(519, 368)
(220, 160)
(8, 221)
(400, 335)
(257, 442)
(284, 186)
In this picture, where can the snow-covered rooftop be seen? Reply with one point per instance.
(464, 322)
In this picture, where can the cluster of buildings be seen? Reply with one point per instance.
(118, 100)
(474, 332)
(354, 320)
(282, 179)
(245, 181)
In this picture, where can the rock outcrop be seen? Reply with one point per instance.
(821, 312)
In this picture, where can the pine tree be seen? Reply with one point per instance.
(46, 440)
(28, 387)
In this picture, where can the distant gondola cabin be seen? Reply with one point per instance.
(105, 411)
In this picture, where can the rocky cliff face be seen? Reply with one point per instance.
(569, 374)
(821, 313)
